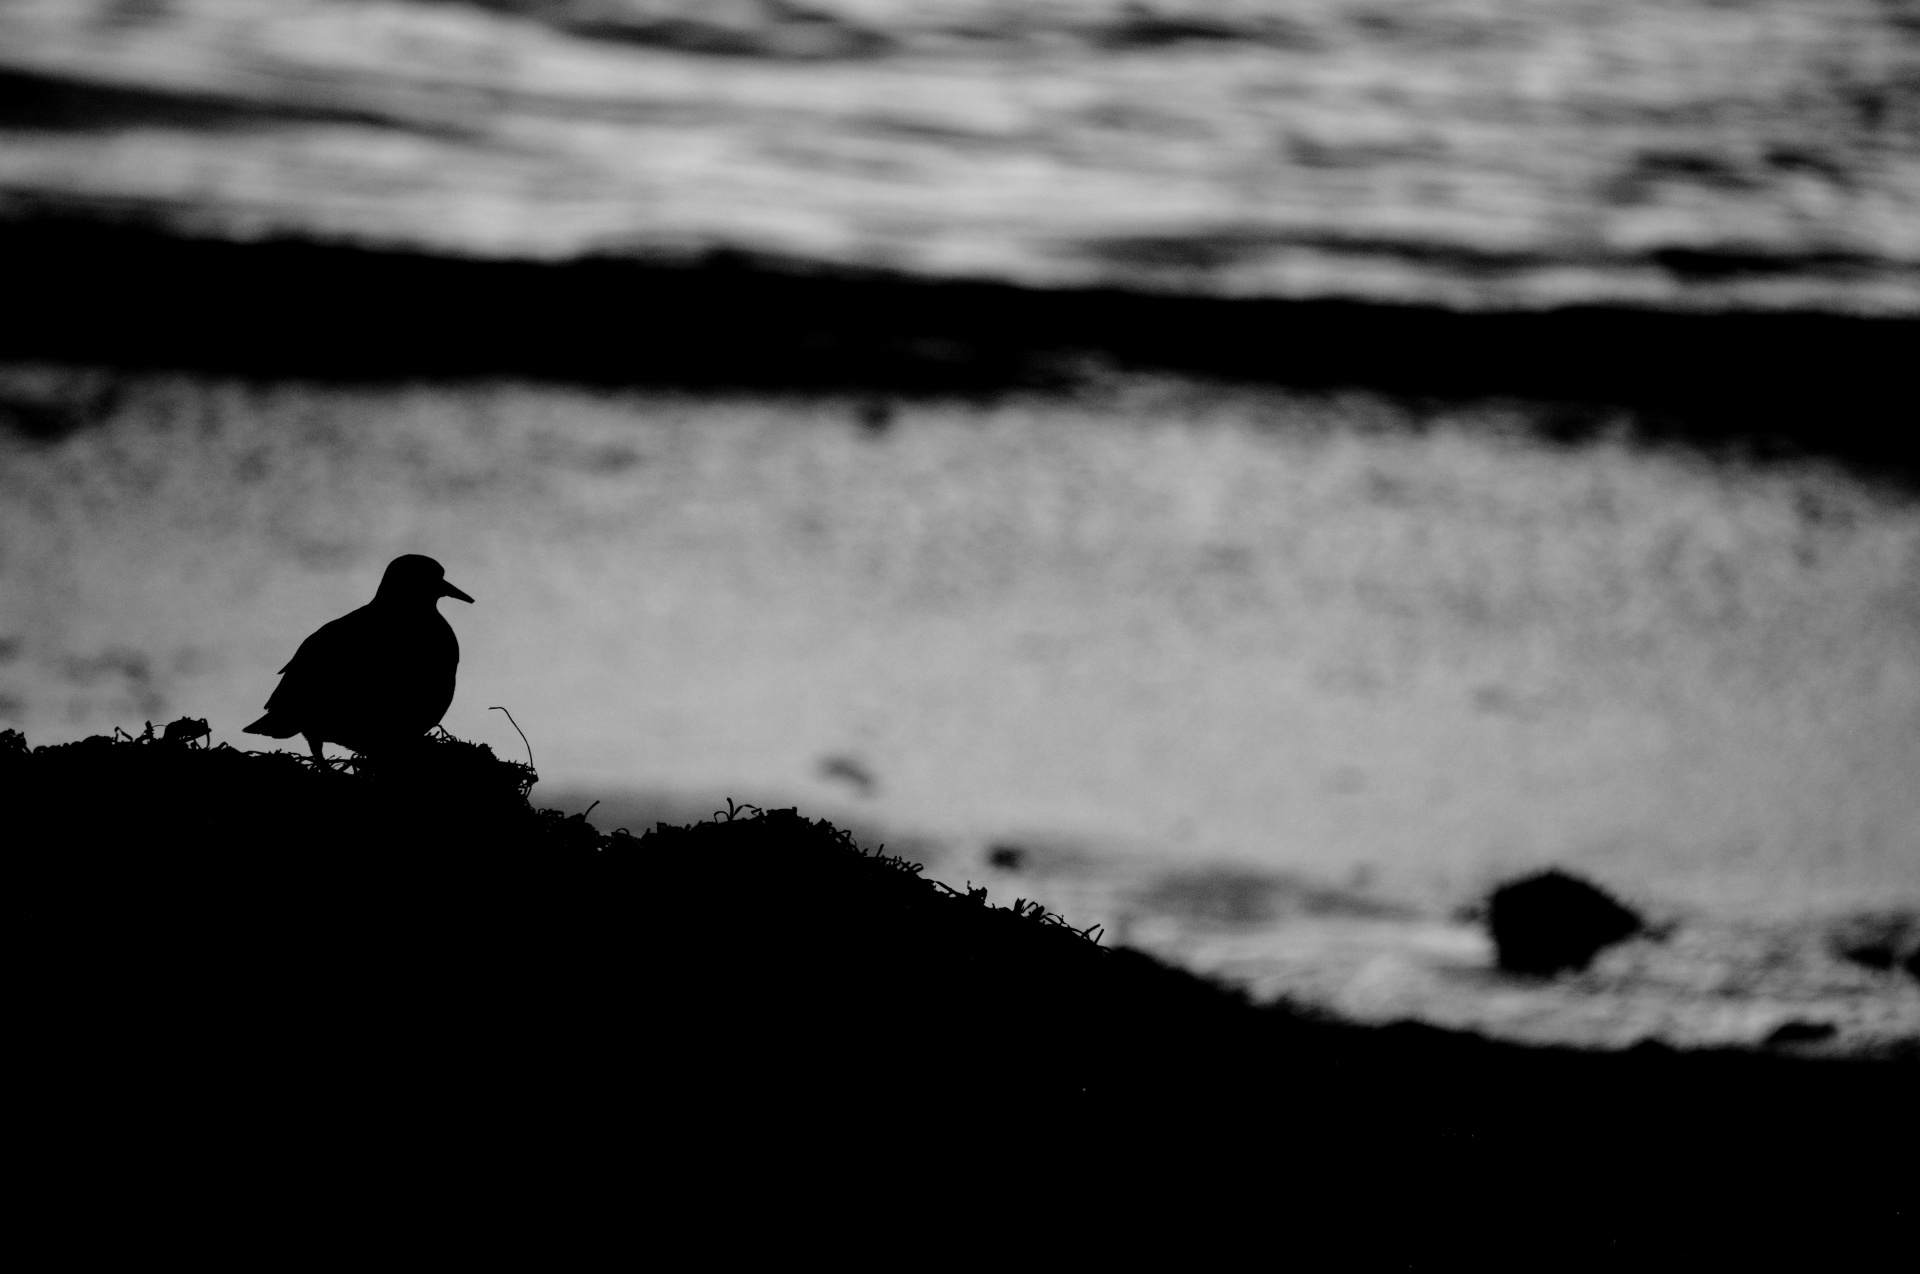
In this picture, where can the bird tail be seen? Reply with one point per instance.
(274, 726)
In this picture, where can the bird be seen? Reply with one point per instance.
(378, 677)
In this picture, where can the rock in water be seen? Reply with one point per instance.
(1879, 940)
(1548, 922)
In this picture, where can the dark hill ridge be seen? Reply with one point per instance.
(280, 945)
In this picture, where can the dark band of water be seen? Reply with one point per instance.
(1766, 385)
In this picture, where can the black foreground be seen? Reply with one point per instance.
(246, 954)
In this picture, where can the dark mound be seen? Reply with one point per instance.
(1801, 1032)
(1552, 922)
(408, 965)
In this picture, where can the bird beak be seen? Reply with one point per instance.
(448, 590)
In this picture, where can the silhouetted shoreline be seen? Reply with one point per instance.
(425, 937)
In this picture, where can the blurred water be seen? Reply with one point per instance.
(1690, 154)
(1146, 630)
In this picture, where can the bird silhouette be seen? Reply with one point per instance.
(378, 677)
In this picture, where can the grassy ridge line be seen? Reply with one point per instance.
(236, 928)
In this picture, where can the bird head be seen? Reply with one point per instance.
(414, 578)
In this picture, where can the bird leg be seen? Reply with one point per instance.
(319, 755)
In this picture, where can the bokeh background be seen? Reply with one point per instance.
(1252, 475)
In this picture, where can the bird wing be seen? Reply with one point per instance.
(333, 654)
(369, 673)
